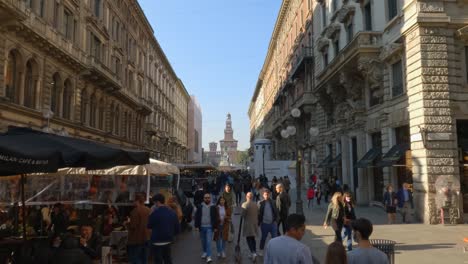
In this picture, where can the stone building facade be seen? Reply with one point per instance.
(90, 69)
(388, 96)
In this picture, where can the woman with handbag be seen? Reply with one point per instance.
(221, 235)
(335, 215)
(349, 216)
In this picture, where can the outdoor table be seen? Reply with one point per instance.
(118, 242)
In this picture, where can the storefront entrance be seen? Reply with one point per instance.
(462, 135)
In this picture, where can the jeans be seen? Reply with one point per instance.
(220, 242)
(206, 235)
(348, 233)
(268, 228)
(137, 254)
(162, 254)
(251, 242)
(282, 220)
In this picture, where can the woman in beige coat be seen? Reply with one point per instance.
(250, 229)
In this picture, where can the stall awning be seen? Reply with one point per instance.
(336, 162)
(369, 158)
(325, 162)
(393, 155)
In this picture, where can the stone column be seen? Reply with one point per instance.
(429, 59)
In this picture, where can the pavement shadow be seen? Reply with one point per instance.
(404, 247)
(316, 244)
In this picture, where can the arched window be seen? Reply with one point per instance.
(67, 100)
(84, 107)
(92, 111)
(102, 114)
(55, 94)
(12, 76)
(30, 84)
(117, 121)
(111, 118)
(124, 124)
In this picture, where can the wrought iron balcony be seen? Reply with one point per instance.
(305, 54)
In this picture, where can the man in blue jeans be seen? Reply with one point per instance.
(165, 225)
(206, 220)
(267, 219)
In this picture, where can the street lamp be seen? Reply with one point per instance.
(47, 114)
(291, 131)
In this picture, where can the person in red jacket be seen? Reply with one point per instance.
(310, 196)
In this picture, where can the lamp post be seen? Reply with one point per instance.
(291, 131)
(47, 114)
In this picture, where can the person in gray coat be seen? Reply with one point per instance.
(250, 229)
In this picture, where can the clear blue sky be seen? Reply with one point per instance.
(217, 48)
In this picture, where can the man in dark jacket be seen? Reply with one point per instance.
(206, 220)
(69, 252)
(283, 202)
(90, 242)
(267, 219)
(165, 225)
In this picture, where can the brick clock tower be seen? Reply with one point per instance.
(229, 144)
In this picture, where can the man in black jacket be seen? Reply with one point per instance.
(206, 220)
(283, 202)
(90, 242)
(267, 219)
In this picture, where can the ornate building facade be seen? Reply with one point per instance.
(385, 84)
(90, 69)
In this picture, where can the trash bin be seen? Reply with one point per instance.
(386, 246)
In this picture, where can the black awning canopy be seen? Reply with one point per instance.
(369, 158)
(394, 155)
(23, 150)
(325, 162)
(335, 162)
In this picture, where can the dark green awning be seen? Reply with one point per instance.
(369, 158)
(325, 162)
(336, 162)
(393, 155)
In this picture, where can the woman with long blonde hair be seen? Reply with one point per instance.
(335, 215)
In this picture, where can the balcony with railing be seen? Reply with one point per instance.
(365, 43)
(304, 55)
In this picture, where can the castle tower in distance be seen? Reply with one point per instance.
(229, 144)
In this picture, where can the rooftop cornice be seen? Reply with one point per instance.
(273, 41)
